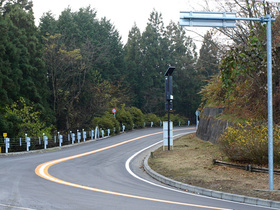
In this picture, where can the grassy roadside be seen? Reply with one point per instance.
(191, 162)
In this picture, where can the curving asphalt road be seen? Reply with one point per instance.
(96, 175)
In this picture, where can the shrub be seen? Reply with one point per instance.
(152, 118)
(175, 118)
(125, 118)
(106, 121)
(249, 142)
(137, 117)
(23, 118)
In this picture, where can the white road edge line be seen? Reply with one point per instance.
(16, 207)
(127, 163)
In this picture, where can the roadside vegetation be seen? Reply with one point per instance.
(248, 142)
(74, 69)
(68, 73)
(241, 85)
(191, 162)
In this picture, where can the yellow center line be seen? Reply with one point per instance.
(42, 171)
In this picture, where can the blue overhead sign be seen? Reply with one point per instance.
(208, 19)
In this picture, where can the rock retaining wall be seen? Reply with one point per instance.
(209, 128)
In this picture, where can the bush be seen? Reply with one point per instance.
(249, 143)
(107, 121)
(137, 117)
(152, 118)
(125, 118)
(175, 118)
(22, 118)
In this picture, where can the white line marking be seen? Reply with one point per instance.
(127, 163)
(17, 207)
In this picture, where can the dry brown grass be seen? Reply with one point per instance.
(191, 162)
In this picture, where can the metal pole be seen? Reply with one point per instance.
(269, 102)
(268, 20)
(168, 132)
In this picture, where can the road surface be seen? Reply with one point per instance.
(96, 175)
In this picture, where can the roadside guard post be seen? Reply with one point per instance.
(84, 135)
(79, 136)
(96, 133)
(168, 98)
(27, 139)
(225, 20)
(60, 139)
(73, 137)
(7, 143)
(45, 139)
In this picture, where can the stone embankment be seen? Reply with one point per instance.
(210, 128)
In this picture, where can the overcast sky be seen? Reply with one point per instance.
(122, 13)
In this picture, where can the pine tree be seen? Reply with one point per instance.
(48, 25)
(153, 65)
(132, 60)
(84, 56)
(207, 64)
(185, 77)
(22, 68)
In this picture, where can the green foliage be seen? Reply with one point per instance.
(85, 64)
(24, 119)
(213, 94)
(242, 61)
(176, 118)
(186, 80)
(132, 51)
(153, 64)
(4, 125)
(66, 78)
(207, 63)
(249, 142)
(137, 117)
(240, 85)
(22, 68)
(75, 68)
(48, 25)
(106, 121)
(150, 117)
(125, 117)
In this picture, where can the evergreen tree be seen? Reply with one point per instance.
(112, 65)
(48, 25)
(132, 60)
(6, 71)
(22, 68)
(66, 74)
(84, 62)
(207, 64)
(153, 65)
(185, 77)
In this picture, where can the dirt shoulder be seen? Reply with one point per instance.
(191, 162)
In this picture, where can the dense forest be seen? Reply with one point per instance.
(66, 71)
